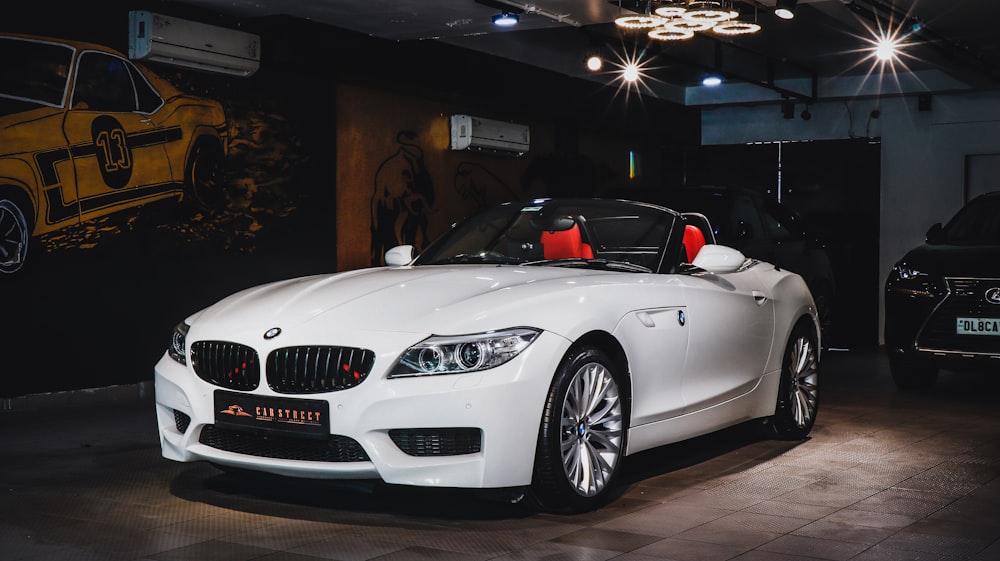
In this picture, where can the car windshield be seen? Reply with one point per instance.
(34, 71)
(977, 222)
(614, 235)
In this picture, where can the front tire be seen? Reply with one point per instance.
(798, 393)
(581, 441)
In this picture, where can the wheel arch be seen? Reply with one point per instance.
(200, 136)
(610, 345)
(22, 196)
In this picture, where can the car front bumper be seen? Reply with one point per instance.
(503, 404)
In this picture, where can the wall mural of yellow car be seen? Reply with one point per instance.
(85, 132)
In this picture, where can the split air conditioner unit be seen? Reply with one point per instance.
(191, 44)
(486, 135)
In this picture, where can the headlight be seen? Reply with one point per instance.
(909, 281)
(906, 272)
(178, 343)
(462, 353)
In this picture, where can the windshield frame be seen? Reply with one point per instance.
(509, 234)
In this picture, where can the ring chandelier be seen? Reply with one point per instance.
(679, 19)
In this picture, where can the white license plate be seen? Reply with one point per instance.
(978, 326)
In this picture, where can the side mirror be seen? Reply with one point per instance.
(399, 256)
(719, 259)
(934, 234)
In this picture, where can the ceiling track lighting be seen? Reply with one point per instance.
(711, 80)
(506, 19)
(785, 9)
(677, 20)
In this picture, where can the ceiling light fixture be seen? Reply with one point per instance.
(670, 34)
(712, 11)
(676, 20)
(711, 80)
(505, 19)
(594, 60)
(785, 9)
(736, 28)
(640, 22)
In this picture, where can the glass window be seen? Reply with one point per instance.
(103, 83)
(148, 98)
(745, 219)
(34, 71)
(620, 232)
(978, 221)
(780, 224)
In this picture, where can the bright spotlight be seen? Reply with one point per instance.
(711, 81)
(594, 63)
(631, 72)
(885, 50)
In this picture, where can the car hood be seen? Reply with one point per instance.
(424, 299)
(949, 260)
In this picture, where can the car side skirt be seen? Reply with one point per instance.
(756, 403)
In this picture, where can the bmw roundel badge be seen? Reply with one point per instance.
(681, 318)
(272, 333)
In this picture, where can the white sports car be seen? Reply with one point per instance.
(533, 346)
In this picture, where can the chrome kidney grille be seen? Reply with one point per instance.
(228, 365)
(290, 370)
(317, 369)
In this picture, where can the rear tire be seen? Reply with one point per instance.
(798, 393)
(581, 441)
(204, 177)
(16, 244)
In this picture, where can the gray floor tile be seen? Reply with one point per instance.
(886, 476)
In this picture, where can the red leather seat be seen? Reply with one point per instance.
(565, 244)
(694, 240)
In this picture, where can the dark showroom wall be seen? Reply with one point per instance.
(334, 131)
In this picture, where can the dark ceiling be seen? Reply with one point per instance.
(822, 54)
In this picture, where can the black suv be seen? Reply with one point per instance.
(942, 299)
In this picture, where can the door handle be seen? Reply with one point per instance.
(759, 297)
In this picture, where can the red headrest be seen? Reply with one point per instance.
(694, 240)
(565, 244)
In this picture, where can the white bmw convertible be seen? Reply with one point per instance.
(534, 346)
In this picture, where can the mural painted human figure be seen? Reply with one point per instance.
(402, 198)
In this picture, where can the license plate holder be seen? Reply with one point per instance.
(305, 418)
(978, 326)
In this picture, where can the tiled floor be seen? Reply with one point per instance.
(886, 476)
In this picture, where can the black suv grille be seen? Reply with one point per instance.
(965, 299)
(437, 442)
(335, 448)
(315, 369)
(225, 364)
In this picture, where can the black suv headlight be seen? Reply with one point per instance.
(907, 280)
(460, 354)
(178, 343)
